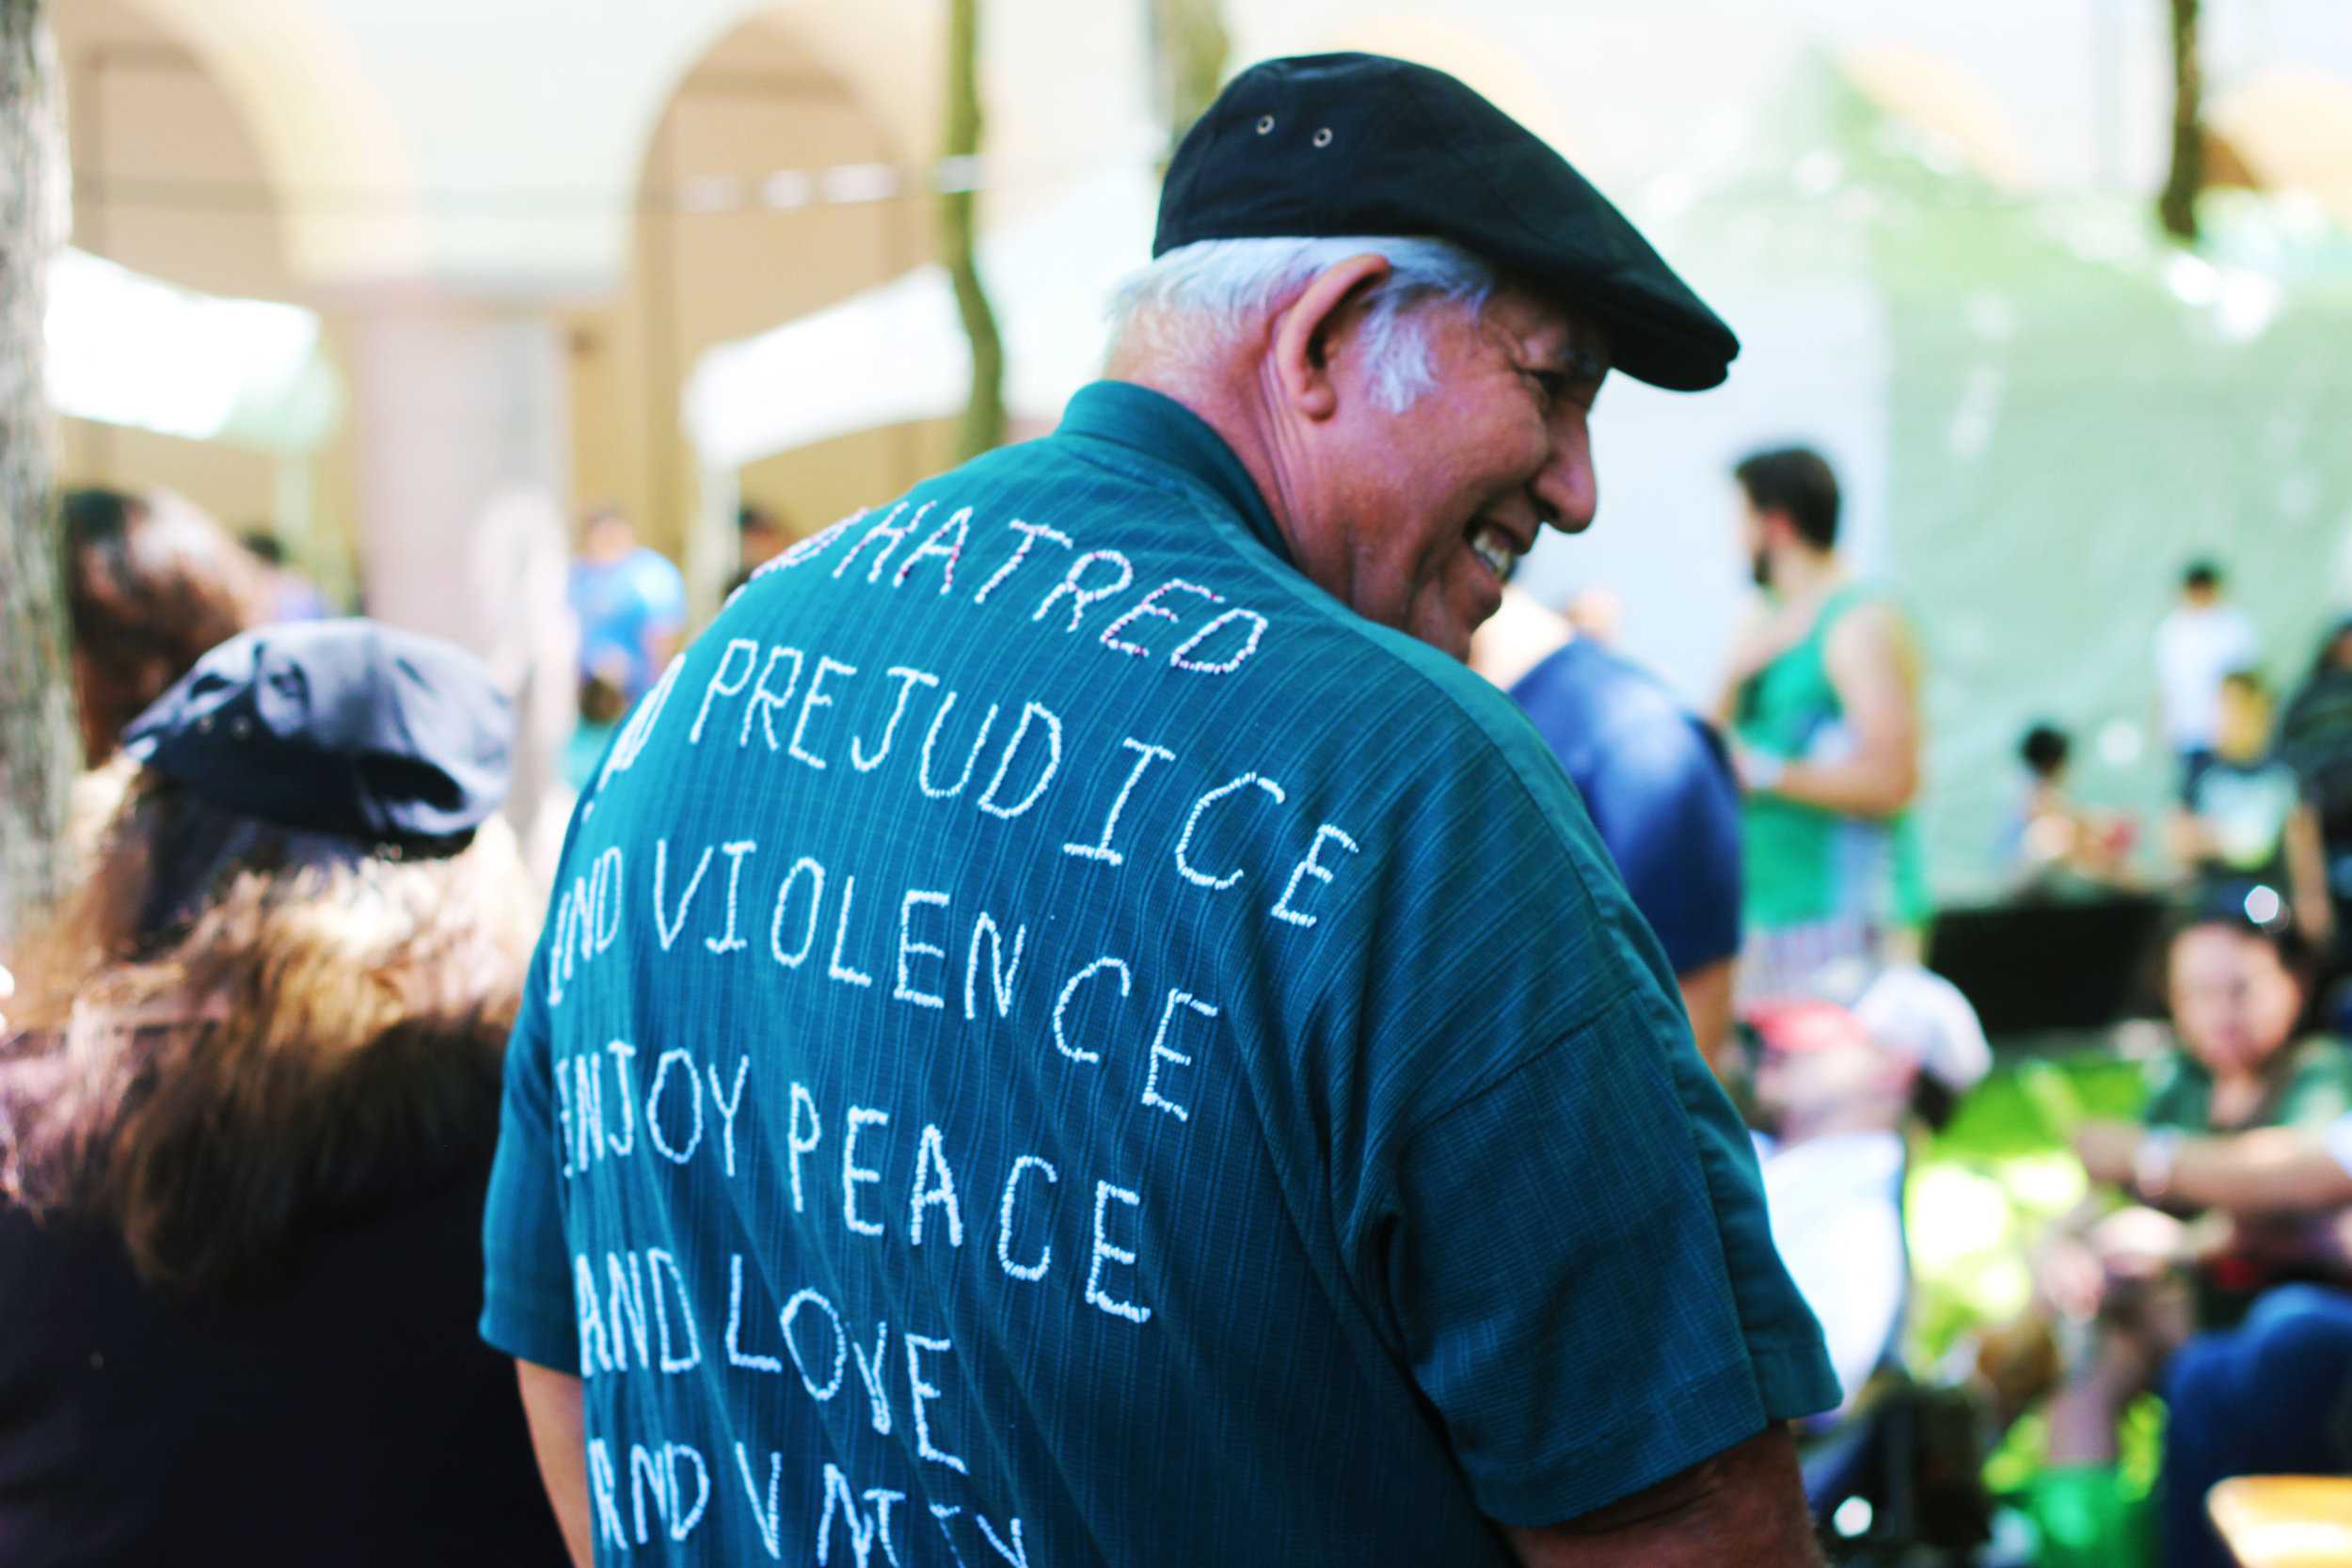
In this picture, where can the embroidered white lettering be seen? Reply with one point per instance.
(1104, 1250)
(908, 945)
(1192, 824)
(854, 1174)
(1146, 755)
(815, 698)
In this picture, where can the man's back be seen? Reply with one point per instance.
(1060, 1044)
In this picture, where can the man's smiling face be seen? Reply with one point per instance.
(1428, 510)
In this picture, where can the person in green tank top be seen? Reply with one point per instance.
(1821, 706)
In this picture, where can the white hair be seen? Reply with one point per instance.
(1223, 283)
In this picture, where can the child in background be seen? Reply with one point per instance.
(2055, 847)
(2246, 815)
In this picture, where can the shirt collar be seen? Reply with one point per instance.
(1163, 431)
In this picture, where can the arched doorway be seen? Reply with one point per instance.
(769, 188)
(2291, 130)
(166, 181)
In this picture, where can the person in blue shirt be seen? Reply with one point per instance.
(1075, 1030)
(631, 602)
(1657, 783)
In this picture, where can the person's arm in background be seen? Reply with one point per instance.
(2307, 876)
(551, 1406)
(1874, 669)
(1763, 637)
(2272, 1170)
(1746, 1505)
(1707, 997)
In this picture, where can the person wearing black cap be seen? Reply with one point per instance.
(247, 1112)
(1076, 940)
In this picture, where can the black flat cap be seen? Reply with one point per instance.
(1330, 145)
(347, 727)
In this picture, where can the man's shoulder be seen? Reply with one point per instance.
(1866, 608)
(1605, 716)
(1396, 679)
(1469, 725)
(652, 571)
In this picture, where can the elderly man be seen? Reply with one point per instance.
(1076, 1030)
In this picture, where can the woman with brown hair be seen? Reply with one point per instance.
(152, 584)
(245, 1123)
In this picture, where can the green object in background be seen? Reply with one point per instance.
(1803, 864)
(2089, 1516)
(1982, 1193)
(1979, 1197)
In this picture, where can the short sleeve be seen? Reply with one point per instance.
(1664, 801)
(2339, 1136)
(2320, 1089)
(527, 1308)
(2177, 1096)
(1583, 1275)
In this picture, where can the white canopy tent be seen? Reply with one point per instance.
(122, 348)
(126, 349)
(896, 352)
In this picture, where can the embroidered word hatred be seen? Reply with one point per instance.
(1216, 643)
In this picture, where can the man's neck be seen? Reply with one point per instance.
(1235, 406)
(1802, 577)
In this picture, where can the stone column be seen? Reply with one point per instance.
(464, 459)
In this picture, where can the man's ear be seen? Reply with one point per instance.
(1304, 336)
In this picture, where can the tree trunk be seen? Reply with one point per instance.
(39, 746)
(1191, 45)
(984, 413)
(2177, 207)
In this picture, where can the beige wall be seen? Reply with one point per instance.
(761, 100)
(148, 129)
(171, 181)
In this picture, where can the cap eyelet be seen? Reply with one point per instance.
(1323, 137)
(1265, 125)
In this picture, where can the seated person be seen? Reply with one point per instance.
(151, 584)
(2245, 815)
(2137, 1281)
(2268, 1396)
(1834, 1090)
(2052, 844)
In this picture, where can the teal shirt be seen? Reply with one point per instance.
(1057, 1042)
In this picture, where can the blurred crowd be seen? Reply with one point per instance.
(1774, 853)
